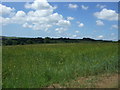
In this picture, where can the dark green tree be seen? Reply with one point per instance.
(47, 40)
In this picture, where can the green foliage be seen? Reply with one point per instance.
(47, 40)
(35, 66)
(23, 41)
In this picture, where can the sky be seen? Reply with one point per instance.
(77, 20)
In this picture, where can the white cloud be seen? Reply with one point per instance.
(73, 6)
(114, 27)
(42, 17)
(100, 37)
(99, 23)
(40, 13)
(107, 14)
(39, 5)
(100, 6)
(70, 18)
(74, 36)
(26, 25)
(81, 25)
(60, 30)
(4, 21)
(64, 23)
(84, 7)
(6, 10)
(77, 31)
(20, 14)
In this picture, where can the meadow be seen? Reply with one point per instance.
(41, 65)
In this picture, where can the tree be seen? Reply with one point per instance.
(29, 41)
(47, 40)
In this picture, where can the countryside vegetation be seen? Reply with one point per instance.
(39, 40)
(59, 44)
(79, 65)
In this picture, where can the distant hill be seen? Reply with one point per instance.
(40, 40)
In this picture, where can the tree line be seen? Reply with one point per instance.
(39, 40)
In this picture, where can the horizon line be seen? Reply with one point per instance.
(57, 37)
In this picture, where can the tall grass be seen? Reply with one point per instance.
(35, 66)
(0, 67)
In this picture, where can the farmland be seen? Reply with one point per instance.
(41, 65)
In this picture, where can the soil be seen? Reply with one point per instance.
(108, 81)
(100, 81)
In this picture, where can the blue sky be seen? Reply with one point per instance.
(61, 19)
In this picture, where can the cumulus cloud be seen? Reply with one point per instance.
(100, 37)
(84, 7)
(40, 17)
(63, 23)
(4, 21)
(20, 14)
(74, 36)
(60, 30)
(39, 5)
(107, 14)
(70, 18)
(6, 10)
(114, 27)
(81, 25)
(100, 6)
(99, 23)
(26, 25)
(73, 6)
(77, 31)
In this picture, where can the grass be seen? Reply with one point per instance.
(35, 66)
(0, 67)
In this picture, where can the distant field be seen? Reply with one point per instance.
(35, 66)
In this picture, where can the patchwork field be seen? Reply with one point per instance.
(35, 66)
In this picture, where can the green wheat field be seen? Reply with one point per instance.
(36, 66)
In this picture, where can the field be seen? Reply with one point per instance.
(35, 66)
(0, 67)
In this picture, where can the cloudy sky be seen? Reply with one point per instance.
(60, 19)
